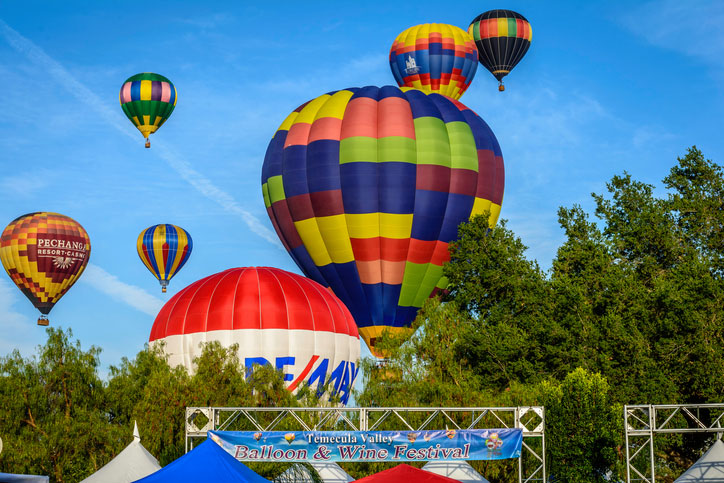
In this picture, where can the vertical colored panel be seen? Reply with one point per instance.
(502, 24)
(492, 27)
(512, 28)
(146, 90)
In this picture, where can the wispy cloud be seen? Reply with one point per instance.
(692, 28)
(202, 184)
(26, 184)
(131, 295)
(12, 323)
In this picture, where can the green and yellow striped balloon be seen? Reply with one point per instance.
(148, 100)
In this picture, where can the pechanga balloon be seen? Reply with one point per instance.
(164, 249)
(502, 38)
(367, 186)
(44, 254)
(277, 318)
(148, 100)
(434, 57)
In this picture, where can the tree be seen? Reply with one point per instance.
(583, 428)
(507, 300)
(50, 418)
(59, 418)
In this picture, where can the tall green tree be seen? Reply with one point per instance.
(583, 428)
(507, 300)
(50, 418)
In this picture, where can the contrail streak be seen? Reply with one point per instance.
(202, 184)
(109, 284)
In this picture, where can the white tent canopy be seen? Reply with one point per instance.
(708, 469)
(329, 472)
(457, 470)
(131, 464)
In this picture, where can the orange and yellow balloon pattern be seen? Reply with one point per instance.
(44, 254)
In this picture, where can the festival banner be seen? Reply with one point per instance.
(339, 446)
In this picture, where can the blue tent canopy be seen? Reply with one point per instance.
(207, 462)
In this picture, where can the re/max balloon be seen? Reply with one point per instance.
(434, 57)
(367, 186)
(44, 254)
(274, 317)
(164, 249)
(502, 38)
(148, 100)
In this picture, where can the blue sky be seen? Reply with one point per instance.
(607, 86)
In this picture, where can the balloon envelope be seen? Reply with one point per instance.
(434, 57)
(164, 249)
(502, 38)
(276, 317)
(367, 186)
(44, 253)
(148, 100)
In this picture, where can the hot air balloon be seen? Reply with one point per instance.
(44, 254)
(367, 186)
(277, 318)
(434, 57)
(148, 100)
(164, 249)
(502, 38)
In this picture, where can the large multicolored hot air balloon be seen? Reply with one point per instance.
(164, 249)
(502, 38)
(434, 57)
(148, 100)
(44, 254)
(367, 186)
(277, 318)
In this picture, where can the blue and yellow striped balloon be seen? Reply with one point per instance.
(164, 249)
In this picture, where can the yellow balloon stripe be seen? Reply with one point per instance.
(139, 248)
(373, 225)
(335, 105)
(146, 90)
(182, 243)
(481, 205)
(159, 238)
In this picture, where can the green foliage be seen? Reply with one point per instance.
(59, 418)
(50, 418)
(507, 299)
(583, 428)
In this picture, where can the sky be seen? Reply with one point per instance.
(606, 86)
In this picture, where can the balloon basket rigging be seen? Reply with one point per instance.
(148, 143)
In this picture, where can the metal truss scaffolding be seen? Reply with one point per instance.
(642, 422)
(531, 419)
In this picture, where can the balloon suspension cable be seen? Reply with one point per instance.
(43, 320)
(148, 143)
(501, 88)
